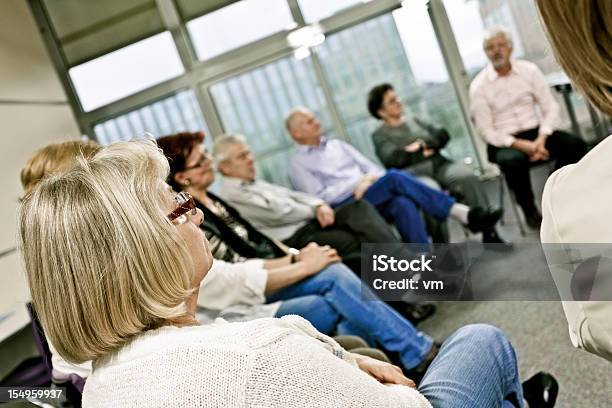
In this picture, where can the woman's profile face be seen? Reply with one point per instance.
(199, 168)
(197, 244)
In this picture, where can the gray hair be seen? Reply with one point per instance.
(497, 31)
(223, 143)
(293, 115)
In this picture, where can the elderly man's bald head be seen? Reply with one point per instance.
(303, 126)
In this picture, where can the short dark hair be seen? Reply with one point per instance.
(177, 148)
(375, 98)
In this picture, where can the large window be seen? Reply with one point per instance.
(257, 102)
(126, 71)
(399, 48)
(317, 10)
(172, 114)
(238, 24)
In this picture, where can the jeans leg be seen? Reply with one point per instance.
(313, 308)
(343, 291)
(407, 218)
(399, 183)
(476, 367)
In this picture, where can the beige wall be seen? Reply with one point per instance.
(27, 76)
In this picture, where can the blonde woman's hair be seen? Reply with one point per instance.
(54, 158)
(103, 261)
(580, 32)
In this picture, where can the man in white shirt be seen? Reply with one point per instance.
(514, 111)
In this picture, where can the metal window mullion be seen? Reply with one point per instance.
(454, 65)
(296, 12)
(49, 37)
(336, 119)
(184, 45)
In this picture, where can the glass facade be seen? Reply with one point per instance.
(179, 112)
(238, 24)
(255, 103)
(126, 71)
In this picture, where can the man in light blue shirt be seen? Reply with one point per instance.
(337, 173)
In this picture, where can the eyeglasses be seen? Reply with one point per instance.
(185, 205)
(393, 101)
(201, 162)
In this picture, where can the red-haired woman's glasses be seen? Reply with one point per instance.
(185, 205)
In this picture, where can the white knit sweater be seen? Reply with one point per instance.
(262, 363)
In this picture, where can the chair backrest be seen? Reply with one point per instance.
(43, 348)
(40, 339)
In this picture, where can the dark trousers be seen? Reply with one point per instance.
(515, 165)
(355, 223)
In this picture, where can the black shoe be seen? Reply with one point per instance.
(533, 218)
(492, 237)
(414, 312)
(417, 373)
(540, 391)
(480, 219)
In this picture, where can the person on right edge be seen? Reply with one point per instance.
(127, 256)
(577, 198)
(514, 111)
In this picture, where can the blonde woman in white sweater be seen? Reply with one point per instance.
(114, 260)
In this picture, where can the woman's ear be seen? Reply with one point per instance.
(181, 179)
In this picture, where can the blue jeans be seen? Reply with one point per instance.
(398, 196)
(332, 299)
(476, 367)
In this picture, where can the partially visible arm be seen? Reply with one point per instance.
(305, 181)
(277, 262)
(287, 275)
(260, 210)
(483, 120)
(546, 101)
(439, 136)
(313, 258)
(393, 156)
(366, 166)
(305, 365)
(228, 284)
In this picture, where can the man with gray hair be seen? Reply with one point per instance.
(291, 216)
(515, 113)
(298, 218)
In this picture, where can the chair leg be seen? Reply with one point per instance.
(501, 199)
(515, 208)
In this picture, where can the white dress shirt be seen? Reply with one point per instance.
(503, 106)
(275, 210)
